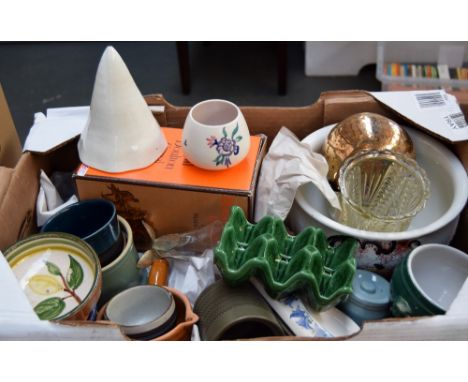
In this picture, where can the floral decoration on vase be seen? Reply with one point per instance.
(225, 146)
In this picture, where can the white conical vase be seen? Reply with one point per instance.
(121, 133)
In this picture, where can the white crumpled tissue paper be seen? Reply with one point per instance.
(288, 165)
(48, 201)
(191, 275)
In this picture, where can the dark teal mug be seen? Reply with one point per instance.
(94, 221)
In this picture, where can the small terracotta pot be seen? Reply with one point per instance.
(186, 318)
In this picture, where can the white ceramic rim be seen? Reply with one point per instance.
(128, 244)
(150, 325)
(446, 249)
(457, 205)
(211, 100)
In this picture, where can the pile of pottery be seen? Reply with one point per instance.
(372, 205)
(85, 259)
(397, 188)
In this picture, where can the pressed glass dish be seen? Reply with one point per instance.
(381, 191)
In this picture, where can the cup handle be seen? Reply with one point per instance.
(159, 272)
(401, 307)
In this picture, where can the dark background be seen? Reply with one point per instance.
(37, 76)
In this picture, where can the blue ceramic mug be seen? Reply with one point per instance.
(94, 221)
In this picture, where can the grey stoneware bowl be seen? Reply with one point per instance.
(143, 312)
(94, 221)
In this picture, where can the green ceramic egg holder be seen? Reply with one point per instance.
(286, 263)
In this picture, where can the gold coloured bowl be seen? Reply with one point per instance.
(363, 131)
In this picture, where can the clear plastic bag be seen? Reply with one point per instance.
(181, 245)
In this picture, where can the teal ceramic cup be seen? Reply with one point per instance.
(122, 273)
(427, 281)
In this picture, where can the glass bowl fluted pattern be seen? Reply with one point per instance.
(381, 191)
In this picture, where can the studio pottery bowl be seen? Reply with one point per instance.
(143, 312)
(381, 251)
(186, 318)
(59, 273)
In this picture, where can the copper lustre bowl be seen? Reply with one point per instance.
(363, 131)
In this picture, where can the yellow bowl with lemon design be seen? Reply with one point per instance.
(59, 273)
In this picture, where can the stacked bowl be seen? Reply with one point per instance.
(381, 251)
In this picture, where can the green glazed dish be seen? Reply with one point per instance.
(286, 263)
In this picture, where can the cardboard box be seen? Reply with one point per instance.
(172, 195)
(21, 185)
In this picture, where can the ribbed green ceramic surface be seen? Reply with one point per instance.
(286, 263)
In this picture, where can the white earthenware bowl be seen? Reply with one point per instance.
(215, 135)
(381, 251)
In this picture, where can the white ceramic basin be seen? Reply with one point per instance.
(382, 251)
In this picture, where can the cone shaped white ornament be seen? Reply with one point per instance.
(121, 133)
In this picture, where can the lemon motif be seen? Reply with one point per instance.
(45, 285)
